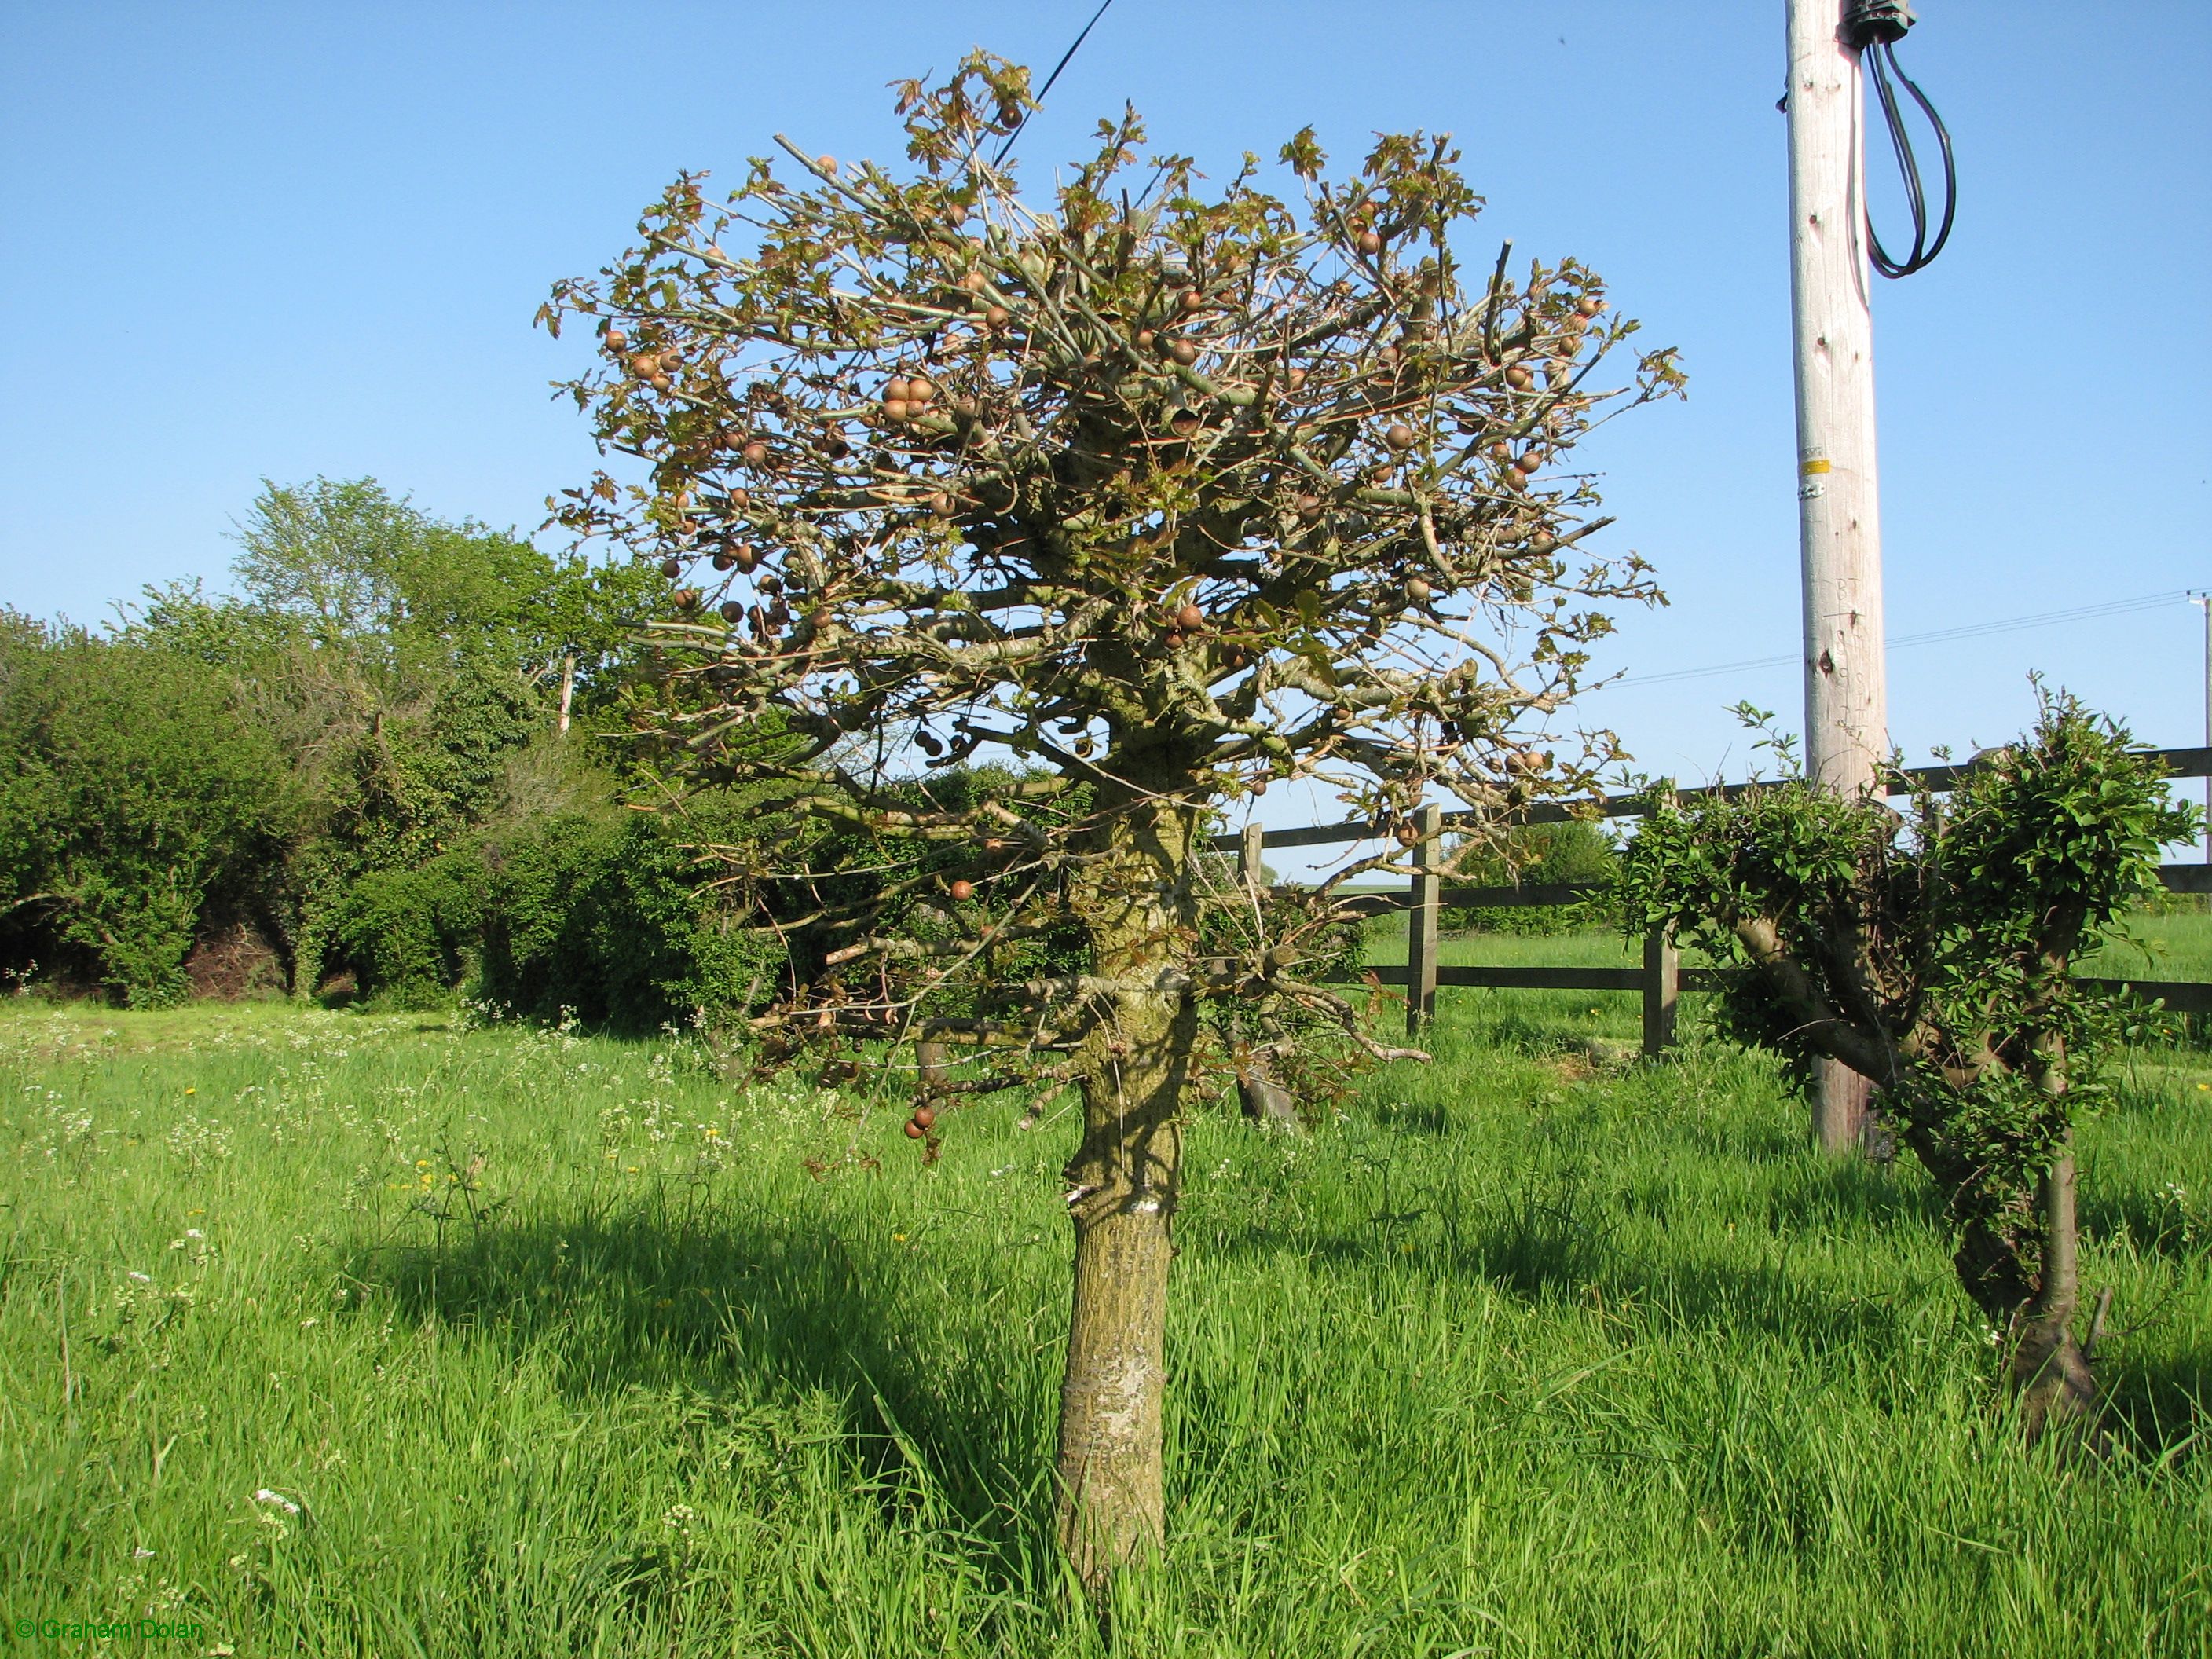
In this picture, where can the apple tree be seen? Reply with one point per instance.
(1933, 955)
(1156, 493)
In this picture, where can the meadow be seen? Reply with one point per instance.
(339, 1332)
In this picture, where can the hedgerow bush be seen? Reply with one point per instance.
(1572, 853)
(614, 920)
(408, 936)
(135, 797)
(603, 917)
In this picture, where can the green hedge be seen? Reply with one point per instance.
(135, 796)
(614, 921)
(608, 918)
(1542, 855)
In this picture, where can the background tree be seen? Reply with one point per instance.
(407, 667)
(1934, 956)
(273, 772)
(135, 795)
(361, 574)
(1160, 495)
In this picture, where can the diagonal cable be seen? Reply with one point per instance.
(1000, 157)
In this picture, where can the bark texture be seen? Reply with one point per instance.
(1123, 1184)
(1261, 1096)
(1265, 1101)
(2050, 1368)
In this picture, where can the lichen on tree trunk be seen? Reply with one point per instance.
(1135, 901)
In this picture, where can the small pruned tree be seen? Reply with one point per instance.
(1160, 495)
(1932, 954)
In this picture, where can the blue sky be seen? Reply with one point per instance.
(241, 242)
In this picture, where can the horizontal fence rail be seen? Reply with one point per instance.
(2180, 763)
(2181, 996)
(1661, 979)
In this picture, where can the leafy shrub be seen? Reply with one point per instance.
(1542, 855)
(314, 760)
(1933, 954)
(133, 794)
(408, 935)
(606, 917)
(613, 918)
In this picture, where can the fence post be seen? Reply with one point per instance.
(1421, 921)
(1249, 867)
(1663, 990)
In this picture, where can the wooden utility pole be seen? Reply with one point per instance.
(2205, 600)
(1838, 521)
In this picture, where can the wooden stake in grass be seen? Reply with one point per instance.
(1158, 497)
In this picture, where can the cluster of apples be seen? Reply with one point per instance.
(1519, 468)
(908, 397)
(1174, 347)
(976, 289)
(650, 366)
(1365, 236)
(1183, 622)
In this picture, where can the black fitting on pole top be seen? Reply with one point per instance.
(1876, 22)
(1872, 28)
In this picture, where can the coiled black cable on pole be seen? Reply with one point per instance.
(1873, 28)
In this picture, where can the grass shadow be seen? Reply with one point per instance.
(1426, 1117)
(2162, 1408)
(730, 1306)
(1545, 1251)
(1844, 1195)
(2148, 1222)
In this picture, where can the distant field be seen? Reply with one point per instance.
(347, 1334)
(2171, 947)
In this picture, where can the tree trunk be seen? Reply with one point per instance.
(2049, 1368)
(1124, 1184)
(1260, 1095)
(1264, 1101)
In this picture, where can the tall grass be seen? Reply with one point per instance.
(2175, 946)
(375, 1334)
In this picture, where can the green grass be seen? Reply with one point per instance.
(1511, 1358)
(2174, 947)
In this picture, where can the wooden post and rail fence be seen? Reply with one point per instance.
(1661, 980)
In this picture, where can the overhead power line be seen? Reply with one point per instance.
(999, 159)
(1964, 631)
